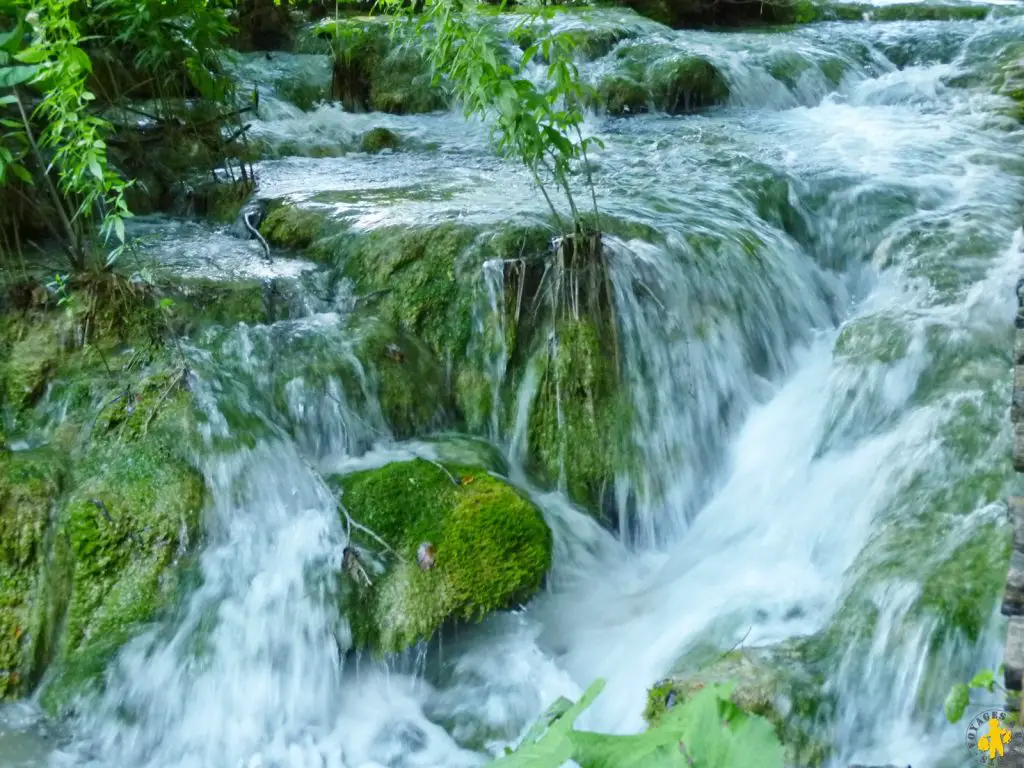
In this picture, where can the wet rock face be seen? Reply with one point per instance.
(93, 523)
(489, 549)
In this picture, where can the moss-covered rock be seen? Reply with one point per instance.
(376, 70)
(410, 382)
(580, 418)
(378, 139)
(292, 226)
(661, 77)
(492, 549)
(133, 514)
(770, 682)
(730, 13)
(622, 95)
(880, 338)
(31, 483)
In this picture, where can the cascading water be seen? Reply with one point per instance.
(816, 345)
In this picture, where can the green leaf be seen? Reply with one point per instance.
(984, 679)
(554, 747)
(956, 702)
(95, 169)
(22, 173)
(12, 76)
(9, 40)
(80, 57)
(34, 55)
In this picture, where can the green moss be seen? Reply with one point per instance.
(200, 303)
(686, 84)
(658, 75)
(30, 487)
(622, 95)
(34, 346)
(377, 69)
(579, 420)
(221, 201)
(492, 549)
(419, 281)
(292, 226)
(962, 589)
(378, 139)
(133, 513)
(410, 382)
(880, 338)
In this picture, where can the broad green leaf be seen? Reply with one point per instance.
(984, 679)
(95, 168)
(80, 58)
(12, 76)
(708, 731)
(9, 41)
(956, 702)
(554, 747)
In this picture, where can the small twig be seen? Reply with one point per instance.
(350, 562)
(740, 643)
(442, 468)
(256, 233)
(352, 523)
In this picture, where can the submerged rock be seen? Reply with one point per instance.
(660, 77)
(378, 139)
(489, 549)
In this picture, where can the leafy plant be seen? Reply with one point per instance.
(42, 53)
(959, 696)
(541, 126)
(706, 731)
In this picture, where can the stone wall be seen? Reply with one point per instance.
(1013, 597)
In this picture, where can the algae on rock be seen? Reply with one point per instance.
(492, 547)
(31, 483)
(133, 514)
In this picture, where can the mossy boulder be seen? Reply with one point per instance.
(773, 683)
(31, 483)
(379, 139)
(292, 226)
(492, 550)
(622, 95)
(682, 14)
(580, 417)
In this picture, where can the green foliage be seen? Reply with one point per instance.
(960, 694)
(45, 43)
(708, 731)
(539, 126)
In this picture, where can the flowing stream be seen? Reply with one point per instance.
(818, 349)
